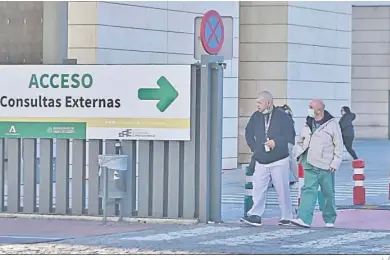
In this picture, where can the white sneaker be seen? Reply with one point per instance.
(299, 222)
(329, 225)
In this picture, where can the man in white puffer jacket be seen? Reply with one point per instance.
(319, 148)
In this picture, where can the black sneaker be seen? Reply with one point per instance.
(253, 220)
(284, 222)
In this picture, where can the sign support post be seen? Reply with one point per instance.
(216, 112)
(211, 29)
(210, 164)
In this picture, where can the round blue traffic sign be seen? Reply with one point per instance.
(212, 32)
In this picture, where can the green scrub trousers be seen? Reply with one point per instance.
(321, 199)
(315, 177)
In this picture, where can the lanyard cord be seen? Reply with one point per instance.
(267, 124)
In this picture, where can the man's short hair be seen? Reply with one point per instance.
(265, 95)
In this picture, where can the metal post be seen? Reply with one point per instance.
(55, 51)
(189, 180)
(118, 147)
(204, 143)
(118, 150)
(248, 200)
(105, 193)
(216, 121)
(210, 136)
(2, 172)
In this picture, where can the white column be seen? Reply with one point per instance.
(55, 32)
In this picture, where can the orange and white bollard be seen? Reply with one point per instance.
(301, 175)
(359, 192)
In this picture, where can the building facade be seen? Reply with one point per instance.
(370, 70)
(297, 51)
(337, 51)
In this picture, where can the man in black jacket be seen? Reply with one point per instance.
(267, 134)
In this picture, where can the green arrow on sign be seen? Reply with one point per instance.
(166, 94)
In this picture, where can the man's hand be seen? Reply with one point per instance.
(270, 144)
(331, 169)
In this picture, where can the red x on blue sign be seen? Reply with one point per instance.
(212, 32)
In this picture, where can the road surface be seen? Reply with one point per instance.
(218, 239)
(374, 152)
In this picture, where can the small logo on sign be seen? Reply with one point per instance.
(12, 130)
(135, 133)
(125, 133)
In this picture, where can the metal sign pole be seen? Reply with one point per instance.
(214, 36)
(216, 116)
(210, 159)
(105, 193)
(204, 143)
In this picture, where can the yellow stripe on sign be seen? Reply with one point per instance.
(173, 123)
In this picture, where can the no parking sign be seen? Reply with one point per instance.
(212, 32)
(213, 35)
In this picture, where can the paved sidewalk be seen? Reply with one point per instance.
(230, 238)
(355, 232)
(64, 249)
(24, 231)
(356, 219)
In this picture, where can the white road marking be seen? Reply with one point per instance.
(379, 249)
(259, 237)
(184, 233)
(344, 191)
(31, 237)
(339, 240)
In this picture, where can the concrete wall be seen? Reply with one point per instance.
(370, 70)
(263, 59)
(82, 31)
(21, 32)
(319, 55)
(153, 33)
(296, 50)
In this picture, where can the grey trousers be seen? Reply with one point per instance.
(280, 179)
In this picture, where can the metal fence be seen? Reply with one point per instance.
(74, 186)
(172, 179)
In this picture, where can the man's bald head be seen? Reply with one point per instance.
(318, 107)
(265, 101)
(317, 104)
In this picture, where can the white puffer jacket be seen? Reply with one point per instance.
(325, 146)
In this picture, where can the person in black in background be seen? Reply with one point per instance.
(347, 129)
(293, 162)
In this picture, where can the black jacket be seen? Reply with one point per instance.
(293, 129)
(346, 124)
(280, 130)
(310, 120)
